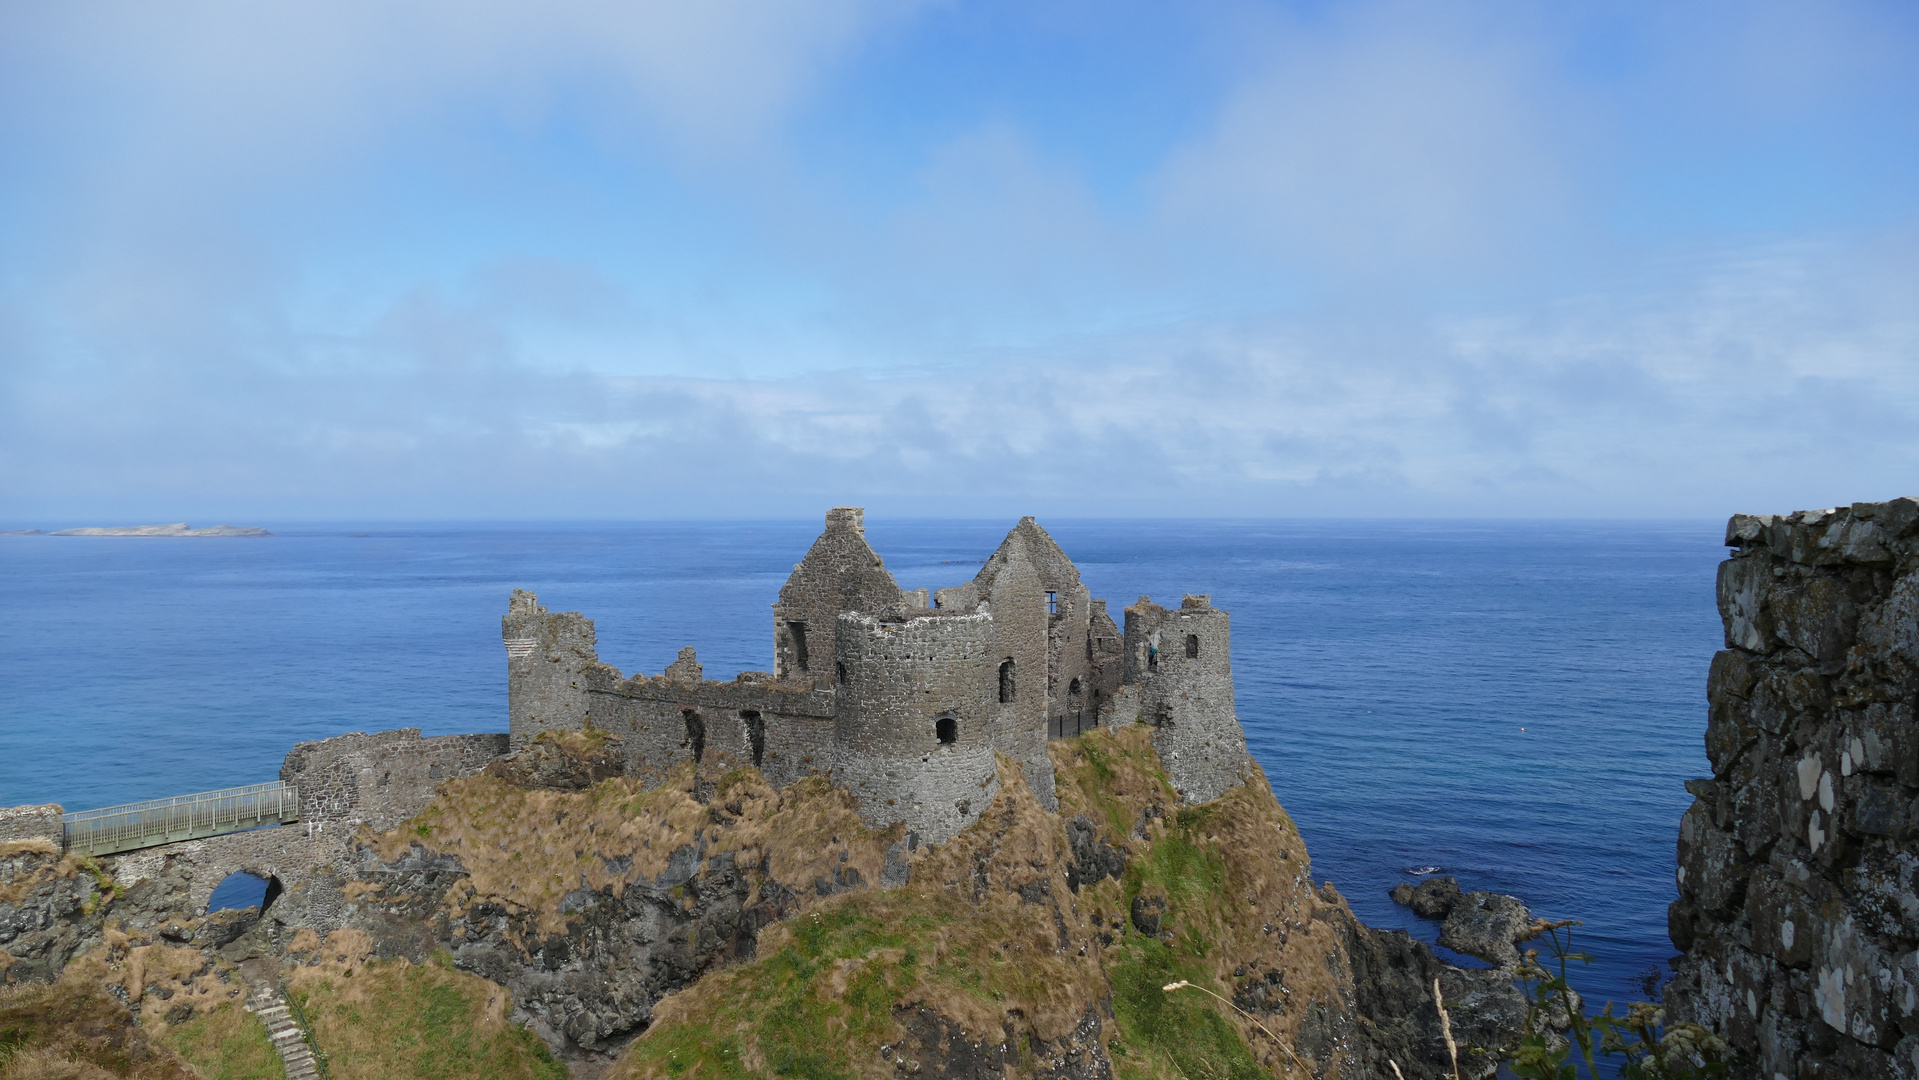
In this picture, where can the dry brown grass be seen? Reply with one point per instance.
(46, 1063)
(74, 1028)
(54, 867)
(157, 979)
(34, 845)
(526, 849)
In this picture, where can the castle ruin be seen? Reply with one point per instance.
(901, 698)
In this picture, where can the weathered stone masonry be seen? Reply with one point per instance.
(1798, 909)
(902, 703)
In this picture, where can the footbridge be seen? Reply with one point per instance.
(131, 826)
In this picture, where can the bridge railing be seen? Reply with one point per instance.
(183, 817)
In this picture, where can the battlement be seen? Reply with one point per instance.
(903, 702)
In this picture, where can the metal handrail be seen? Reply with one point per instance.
(182, 817)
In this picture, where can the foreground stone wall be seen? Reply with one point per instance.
(1798, 875)
(383, 778)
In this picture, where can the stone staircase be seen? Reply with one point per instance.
(268, 1004)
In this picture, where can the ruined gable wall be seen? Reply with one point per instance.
(901, 677)
(1799, 858)
(1188, 699)
(1068, 656)
(1015, 597)
(841, 572)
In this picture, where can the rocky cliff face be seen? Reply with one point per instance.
(1798, 871)
(715, 923)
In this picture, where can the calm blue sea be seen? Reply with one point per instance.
(1515, 702)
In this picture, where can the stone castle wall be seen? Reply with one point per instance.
(840, 573)
(1798, 909)
(665, 722)
(383, 778)
(1013, 593)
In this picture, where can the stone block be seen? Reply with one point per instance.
(1709, 862)
(1783, 920)
(1742, 588)
(1817, 616)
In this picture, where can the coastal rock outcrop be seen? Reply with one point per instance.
(1430, 899)
(1798, 909)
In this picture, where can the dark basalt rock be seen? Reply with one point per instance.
(1486, 925)
(1094, 860)
(1430, 899)
(1148, 913)
(223, 928)
(1392, 979)
(936, 1048)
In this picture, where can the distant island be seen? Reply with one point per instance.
(179, 529)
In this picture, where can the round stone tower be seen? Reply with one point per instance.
(914, 719)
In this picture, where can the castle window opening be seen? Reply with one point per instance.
(947, 728)
(1052, 603)
(695, 733)
(1192, 646)
(1007, 686)
(1152, 658)
(797, 632)
(839, 671)
(755, 734)
(1073, 687)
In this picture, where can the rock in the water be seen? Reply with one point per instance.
(1486, 925)
(1432, 899)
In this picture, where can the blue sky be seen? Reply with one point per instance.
(418, 258)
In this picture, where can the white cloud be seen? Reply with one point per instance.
(1700, 397)
(1399, 138)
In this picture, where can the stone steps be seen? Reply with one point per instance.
(267, 1004)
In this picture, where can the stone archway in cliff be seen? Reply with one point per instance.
(244, 889)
